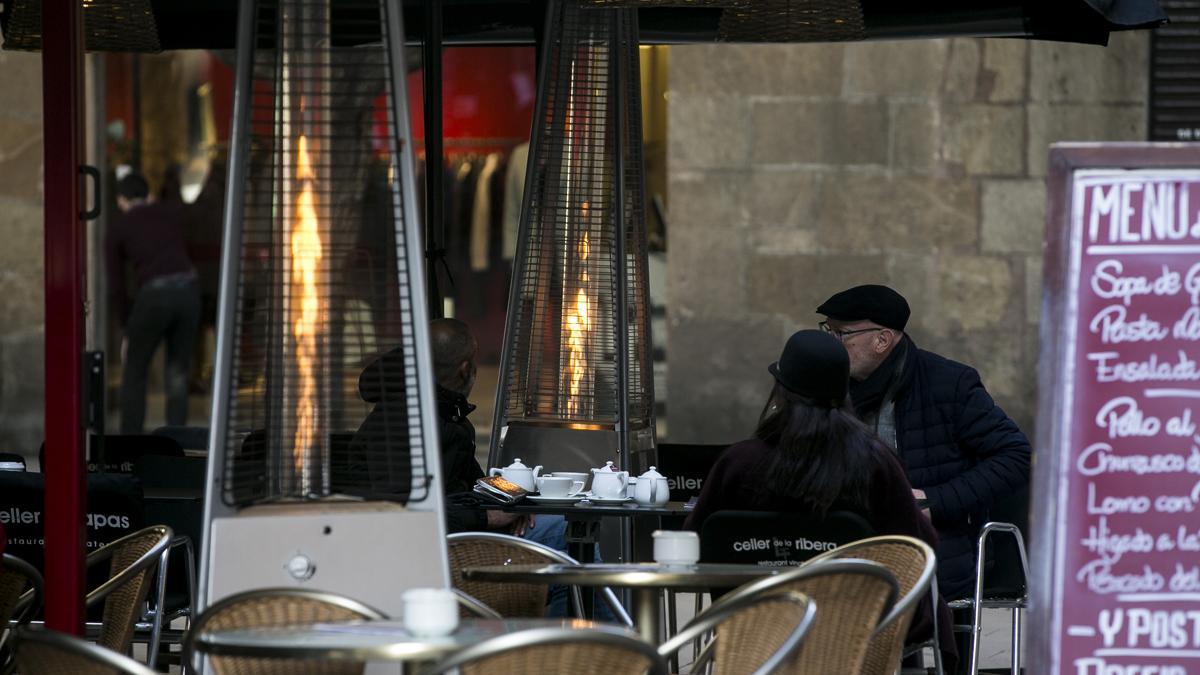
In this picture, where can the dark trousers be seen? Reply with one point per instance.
(164, 311)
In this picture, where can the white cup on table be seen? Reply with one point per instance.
(555, 486)
(676, 547)
(430, 612)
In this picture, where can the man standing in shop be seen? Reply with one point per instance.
(961, 452)
(149, 238)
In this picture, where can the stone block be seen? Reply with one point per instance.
(913, 68)
(1071, 73)
(1013, 216)
(706, 257)
(996, 354)
(1002, 79)
(962, 70)
(22, 391)
(719, 400)
(984, 139)
(21, 84)
(23, 306)
(1034, 269)
(803, 131)
(873, 213)
(708, 131)
(915, 127)
(21, 158)
(1073, 122)
(976, 292)
(786, 198)
(912, 275)
(793, 285)
(709, 199)
(22, 224)
(777, 69)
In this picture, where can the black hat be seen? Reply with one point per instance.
(814, 365)
(871, 302)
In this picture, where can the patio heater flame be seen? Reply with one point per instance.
(578, 332)
(305, 261)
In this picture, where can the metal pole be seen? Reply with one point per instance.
(617, 71)
(62, 105)
(227, 304)
(545, 45)
(435, 220)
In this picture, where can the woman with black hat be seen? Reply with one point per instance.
(811, 455)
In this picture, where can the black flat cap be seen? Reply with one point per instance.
(870, 302)
(814, 365)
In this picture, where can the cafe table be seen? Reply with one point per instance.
(369, 641)
(645, 580)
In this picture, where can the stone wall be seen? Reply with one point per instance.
(798, 170)
(21, 296)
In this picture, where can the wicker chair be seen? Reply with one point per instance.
(20, 599)
(754, 634)
(913, 563)
(134, 558)
(276, 607)
(45, 652)
(852, 598)
(598, 650)
(475, 549)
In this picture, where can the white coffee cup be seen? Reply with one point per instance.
(430, 612)
(558, 486)
(676, 547)
(573, 475)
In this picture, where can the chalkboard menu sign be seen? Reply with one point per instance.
(1117, 466)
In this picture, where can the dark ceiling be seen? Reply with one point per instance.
(210, 24)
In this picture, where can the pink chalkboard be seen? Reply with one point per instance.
(1116, 521)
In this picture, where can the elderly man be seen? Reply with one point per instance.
(961, 452)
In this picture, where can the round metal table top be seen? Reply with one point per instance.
(700, 576)
(369, 640)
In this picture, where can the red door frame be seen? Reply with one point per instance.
(62, 108)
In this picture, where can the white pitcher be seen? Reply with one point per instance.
(608, 483)
(518, 473)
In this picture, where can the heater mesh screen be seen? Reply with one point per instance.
(323, 396)
(563, 328)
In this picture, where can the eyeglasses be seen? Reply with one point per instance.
(843, 334)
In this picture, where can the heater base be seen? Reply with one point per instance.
(361, 550)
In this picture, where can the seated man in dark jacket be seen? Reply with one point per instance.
(961, 452)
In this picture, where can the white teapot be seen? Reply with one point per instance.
(651, 489)
(519, 473)
(608, 483)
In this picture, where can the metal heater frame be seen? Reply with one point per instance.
(426, 514)
(553, 442)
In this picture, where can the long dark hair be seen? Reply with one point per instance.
(822, 455)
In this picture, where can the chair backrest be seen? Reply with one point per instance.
(20, 596)
(754, 634)
(45, 652)
(188, 438)
(276, 607)
(476, 549)
(913, 564)
(133, 560)
(598, 650)
(777, 539)
(852, 597)
(686, 466)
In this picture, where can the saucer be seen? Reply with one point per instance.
(609, 500)
(569, 499)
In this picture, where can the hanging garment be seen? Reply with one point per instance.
(514, 193)
(481, 214)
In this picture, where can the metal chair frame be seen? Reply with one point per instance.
(159, 554)
(711, 620)
(189, 642)
(26, 606)
(543, 637)
(606, 593)
(926, 583)
(977, 603)
(474, 605)
(68, 643)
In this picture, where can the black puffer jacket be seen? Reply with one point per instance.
(961, 449)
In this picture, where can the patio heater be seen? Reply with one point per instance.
(322, 318)
(576, 385)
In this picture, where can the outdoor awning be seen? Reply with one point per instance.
(209, 24)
